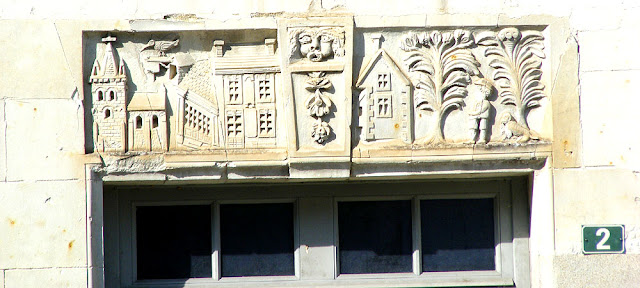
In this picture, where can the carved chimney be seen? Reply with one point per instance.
(218, 48)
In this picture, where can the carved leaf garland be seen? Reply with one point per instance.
(318, 104)
(516, 59)
(440, 66)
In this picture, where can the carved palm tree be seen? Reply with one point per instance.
(516, 60)
(440, 66)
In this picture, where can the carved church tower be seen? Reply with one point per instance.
(109, 95)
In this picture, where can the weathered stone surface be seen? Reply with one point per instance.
(608, 108)
(542, 227)
(50, 277)
(44, 139)
(42, 224)
(70, 37)
(565, 98)
(593, 196)
(33, 69)
(597, 270)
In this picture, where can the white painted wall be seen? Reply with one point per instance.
(43, 223)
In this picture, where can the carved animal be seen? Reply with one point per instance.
(161, 46)
(510, 129)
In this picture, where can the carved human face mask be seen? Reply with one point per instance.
(316, 46)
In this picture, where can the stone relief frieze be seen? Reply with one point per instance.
(291, 88)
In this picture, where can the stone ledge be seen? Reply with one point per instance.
(193, 170)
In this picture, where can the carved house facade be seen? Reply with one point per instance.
(385, 103)
(147, 122)
(246, 75)
(319, 144)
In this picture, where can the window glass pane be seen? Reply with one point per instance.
(375, 237)
(257, 239)
(173, 242)
(457, 235)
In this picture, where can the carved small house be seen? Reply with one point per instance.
(148, 122)
(385, 103)
(109, 94)
(247, 75)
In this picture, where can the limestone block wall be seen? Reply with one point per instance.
(592, 177)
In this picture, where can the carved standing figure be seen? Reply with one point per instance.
(478, 109)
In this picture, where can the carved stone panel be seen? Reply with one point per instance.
(317, 75)
(185, 91)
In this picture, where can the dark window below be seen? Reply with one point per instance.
(457, 235)
(257, 239)
(375, 237)
(174, 242)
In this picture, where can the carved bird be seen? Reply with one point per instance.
(161, 46)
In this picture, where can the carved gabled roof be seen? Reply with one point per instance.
(199, 80)
(148, 101)
(370, 62)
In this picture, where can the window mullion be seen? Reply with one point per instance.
(417, 238)
(215, 239)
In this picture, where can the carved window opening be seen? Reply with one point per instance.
(154, 121)
(138, 122)
(100, 95)
(107, 113)
(112, 95)
(383, 104)
(234, 123)
(234, 89)
(235, 129)
(422, 234)
(384, 82)
(266, 123)
(197, 124)
(264, 87)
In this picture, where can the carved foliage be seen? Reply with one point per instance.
(516, 59)
(317, 44)
(440, 65)
(319, 105)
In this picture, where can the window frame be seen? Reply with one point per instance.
(502, 228)
(130, 251)
(501, 189)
